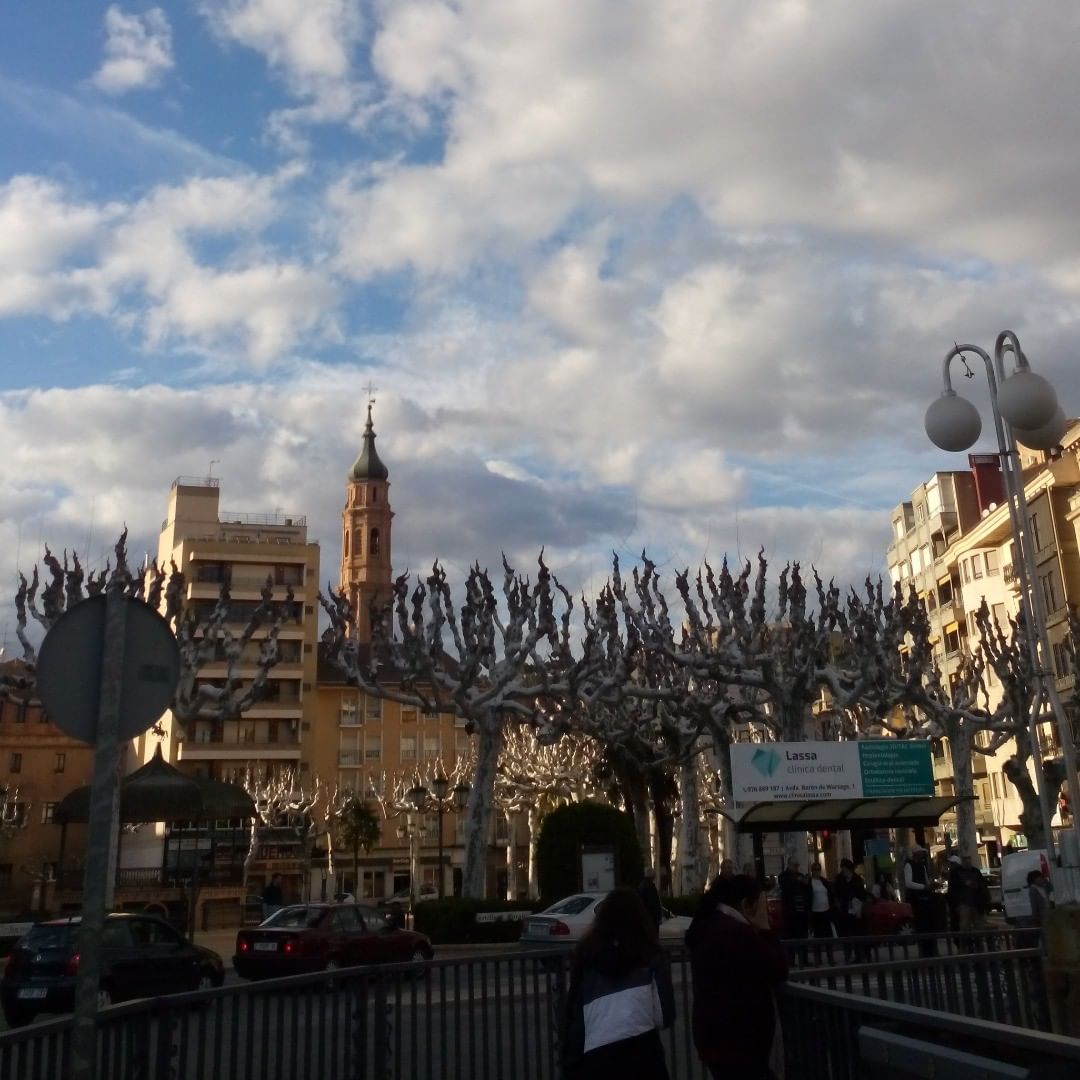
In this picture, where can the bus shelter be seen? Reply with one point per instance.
(816, 815)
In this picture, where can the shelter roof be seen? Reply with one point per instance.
(160, 792)
(814, 814)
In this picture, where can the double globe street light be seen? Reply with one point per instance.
(439, 799)
(1026, 410)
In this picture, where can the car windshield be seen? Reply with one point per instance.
(572, 905)
(50, 937)
(296, 918)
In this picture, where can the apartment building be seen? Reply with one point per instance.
(968, 560)
(39, 765)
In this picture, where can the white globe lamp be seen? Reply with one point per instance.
(1046, 437)
(953, 423)
(1026, 400)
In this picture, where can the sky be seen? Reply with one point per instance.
(663, 275)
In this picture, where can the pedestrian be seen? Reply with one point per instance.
(396, 916)
(1039, 894)
(822, 904)
(620, 996)
(736, 964)
(727, 868)
(273, 897)
(650, 897)
(972, 895)
(849, 892)
(795, 900)
(919, 893)
(884, 888)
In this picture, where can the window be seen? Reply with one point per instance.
(1062, 659)
(976, 566)
(372, 884)
(373, 544)
(432, 747)
(945, 591)
(898, 528)
(409, 715)
(998, 611)
(1049, 591)
(952, 641)
(1036, 538)
(374, 499)
(349, 715)
(59, 762)
(992, 564)
(48, 811)
(373, 747)
(408, 747)
(966, 571)
(15, 764)
(372, 707)
(920, 513)
(431, 827)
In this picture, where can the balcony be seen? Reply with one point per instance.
(134, 878)
(350, 759)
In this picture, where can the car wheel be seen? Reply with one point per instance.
(206, 980)
(333, 964)
(906, 927)
(18, 1017)
(104, 998)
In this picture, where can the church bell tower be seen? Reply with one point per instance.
(366, 571)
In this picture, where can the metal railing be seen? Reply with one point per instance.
(495, 1016)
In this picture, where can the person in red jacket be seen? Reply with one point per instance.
(736, 963)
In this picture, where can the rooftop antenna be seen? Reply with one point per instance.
(210, 471)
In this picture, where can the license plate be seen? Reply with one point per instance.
(539, 928)
(32, 994)
(266, 946)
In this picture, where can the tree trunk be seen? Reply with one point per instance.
(967, 834)
(535, 817)
(479, 810)
(511, 856)
(793, 713)
(690, 861)
(1031, 817)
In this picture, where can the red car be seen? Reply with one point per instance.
(880, 917)
(320, 937)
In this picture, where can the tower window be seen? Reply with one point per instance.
(373, 546)
(374, 495)
(346, 543)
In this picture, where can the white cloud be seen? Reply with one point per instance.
(138, 50)
(139, 263)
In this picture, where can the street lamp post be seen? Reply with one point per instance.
(424, 800)
(410, 830)
(1025, 408)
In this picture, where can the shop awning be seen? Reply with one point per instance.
(898, 812)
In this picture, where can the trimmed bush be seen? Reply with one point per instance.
(565, 830)
(452, 920)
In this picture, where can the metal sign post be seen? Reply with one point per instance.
(106, 671)
(100, 839)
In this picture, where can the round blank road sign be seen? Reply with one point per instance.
(69, 668)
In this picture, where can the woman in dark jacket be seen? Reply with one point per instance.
(736, 962)
(620, 997)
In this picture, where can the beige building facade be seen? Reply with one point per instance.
(966, 559)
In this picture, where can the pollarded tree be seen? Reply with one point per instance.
(202, 637)
(282, 803)
(535, 777)
(493, 663)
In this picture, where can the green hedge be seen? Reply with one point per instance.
(565, 830)
(452, 921)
